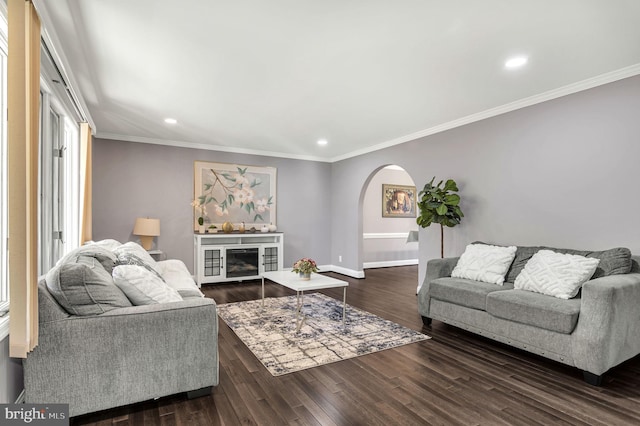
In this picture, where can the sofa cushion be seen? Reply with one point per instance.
(461, 291)
(486, 263)
(142, 286)
(82, 286)
(535, 309)
(613, 261)
(556, 274)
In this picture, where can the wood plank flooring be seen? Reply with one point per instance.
(456, 378)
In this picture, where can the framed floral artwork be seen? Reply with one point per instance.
(398, 200)
(234, 193)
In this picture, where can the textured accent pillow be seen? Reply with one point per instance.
(132, 259)
(133, 254)
(142, 287)
(82, 286)
(556, 274)
(481, 262)
(612, 262)
(135, 248)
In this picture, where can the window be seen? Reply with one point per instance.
(59, 186)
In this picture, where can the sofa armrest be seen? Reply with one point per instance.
(124, 356)
(608, 329)
(436, 268)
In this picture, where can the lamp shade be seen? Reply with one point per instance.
(147, 227)
(412, 237)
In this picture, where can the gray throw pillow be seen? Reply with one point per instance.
(82, 286)
(106, 257)
(612, 262)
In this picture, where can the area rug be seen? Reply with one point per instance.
(270, 332)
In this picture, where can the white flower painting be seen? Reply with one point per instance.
(235, 193)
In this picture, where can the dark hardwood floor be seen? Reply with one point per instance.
(454, 378)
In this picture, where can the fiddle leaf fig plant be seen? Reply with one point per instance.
(438, 204)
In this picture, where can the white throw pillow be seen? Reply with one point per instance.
(137, 250)
(177, 276)
(556, 274)
(142, 286)
(486, 263)
(109, 244)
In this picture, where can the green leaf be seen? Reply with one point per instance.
(441, 209)
(257, 217)
(452, 199)
(207, 186)
(202, 198)
(242, 171)
(450, 186)
(247, 207)
(231, 199)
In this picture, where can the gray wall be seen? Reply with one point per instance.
(10, 375)
(135, 179)
(562, 173)
(386, 249)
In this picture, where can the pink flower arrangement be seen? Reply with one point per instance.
(305, 266)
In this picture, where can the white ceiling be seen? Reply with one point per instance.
(273, 77)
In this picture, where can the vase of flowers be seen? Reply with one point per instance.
(305, 267)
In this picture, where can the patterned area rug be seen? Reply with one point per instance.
(270, 332)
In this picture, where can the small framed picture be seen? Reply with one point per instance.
(398, 200)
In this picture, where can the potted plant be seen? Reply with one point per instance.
(305, 267)
(440, 205)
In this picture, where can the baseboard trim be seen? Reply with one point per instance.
(340, 270)
(389, 263)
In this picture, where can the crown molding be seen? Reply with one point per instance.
(569, 89)
(208, 147)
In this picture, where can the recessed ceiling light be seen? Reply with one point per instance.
(170, 121)
(322, 142)
(515, 62)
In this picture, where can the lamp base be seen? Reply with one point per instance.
(146, 241)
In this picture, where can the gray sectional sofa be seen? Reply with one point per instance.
(97, 350)
(594, 331)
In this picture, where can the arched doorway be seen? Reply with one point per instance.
(388, 215)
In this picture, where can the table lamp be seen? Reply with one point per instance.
(146, 228)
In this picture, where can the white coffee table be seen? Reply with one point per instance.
(317, 282)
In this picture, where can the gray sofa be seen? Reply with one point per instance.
(595, 331)
(123, 355)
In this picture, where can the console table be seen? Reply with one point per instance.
(236, 257)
